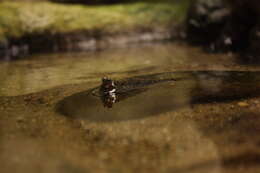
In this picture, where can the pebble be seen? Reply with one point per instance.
(20, 119)
(243, 104)
(256, 102)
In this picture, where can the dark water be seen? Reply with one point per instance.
(146, 99)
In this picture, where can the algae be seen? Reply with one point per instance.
(18, 19)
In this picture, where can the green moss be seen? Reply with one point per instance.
(18, 19)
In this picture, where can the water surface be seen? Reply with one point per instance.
(138, 97)
(44, 71)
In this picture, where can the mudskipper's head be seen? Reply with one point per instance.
(108, 92)
(107, 85)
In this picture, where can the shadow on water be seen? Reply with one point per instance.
(150, 95)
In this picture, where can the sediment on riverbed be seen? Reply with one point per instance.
(44, 26)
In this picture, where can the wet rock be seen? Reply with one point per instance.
(20, 119)
(243, 104)
(41, 101)
(3, 48)
(226, 26)
(252, 53)
(3, 44)
(235, 35)
(205, 18)
(9, 52)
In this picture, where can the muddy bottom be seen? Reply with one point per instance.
(176, 109)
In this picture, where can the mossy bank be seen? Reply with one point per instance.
(49, 26)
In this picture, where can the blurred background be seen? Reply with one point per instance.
(28, 26)
(82, 25)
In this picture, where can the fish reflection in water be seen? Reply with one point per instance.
(109, 99)
(112, 91)
(148, 95)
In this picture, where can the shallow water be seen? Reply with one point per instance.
(140, 101)
(40, 72)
